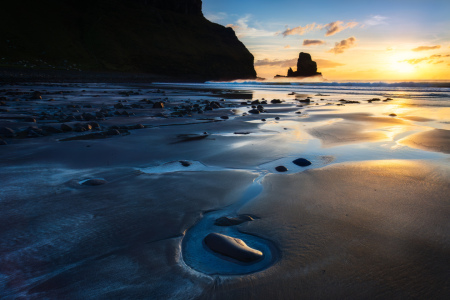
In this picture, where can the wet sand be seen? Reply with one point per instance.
(367, 219)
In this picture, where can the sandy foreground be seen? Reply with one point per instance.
(367, 219)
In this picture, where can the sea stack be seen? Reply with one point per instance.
(306, 67)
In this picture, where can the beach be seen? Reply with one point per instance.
(119, 205)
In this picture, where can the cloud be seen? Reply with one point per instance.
(343, 45)
(389, 49)
(242, 28)
(287, 46)
(424, 48)
(439, 62)
(287, 63)
(279, 63)
(299, 30)
(216, 17)
(313, 42)
(415, 61)
(337, 26)
(324, 63)
(375, 20)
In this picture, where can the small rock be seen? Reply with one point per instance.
(232, 247)
(94, 182)
(277, 118)
(66, 128)
(159, 104)
(3, 142)
(254, 111)
(185, 163)
(281, 169)
(224, 117)
(392, 115)
(7, 132)
(302, 162)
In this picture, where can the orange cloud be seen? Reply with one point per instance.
(299, 30)
(424, 48)
(313, 42)
(415, 61)
(343, 45)
(324, 63)
(335, 27)
(321, 63)
(287, 46)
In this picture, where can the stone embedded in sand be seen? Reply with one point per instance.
(94, 182)
(7, 132)
(232, 247)
(2, 142)
(302, 162)
(227, 221)
(281, 169)
(65, 127)
(185, 163)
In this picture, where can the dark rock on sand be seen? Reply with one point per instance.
(232, 247)
(94, 182)
(3, 142)
(185, 163)
(224, 117)
(7, 132)
(275, 101)
(51, 129)
(66, 128)
(302, 162)
(254, 111)
(158, 104)
(227, 221)
(281, 169)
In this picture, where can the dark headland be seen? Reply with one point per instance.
(306, 67)
(114, 40)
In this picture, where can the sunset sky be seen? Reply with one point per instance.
(358, 40)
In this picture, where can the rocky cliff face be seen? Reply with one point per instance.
(162, 37)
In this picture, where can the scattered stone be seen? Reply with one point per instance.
(138, 126)
(232, 247)
(254, 111)
(113, 132)
(66, 128)
(30, 119)
(158, 104)
(275, 101)
(238, 132)
(94, 182)
(185, 163)
(7, 132)
(227, 221)
(51, 129)
(302, 162)
(281, 169)
(224, 117)
(277, 118)
(3, 142)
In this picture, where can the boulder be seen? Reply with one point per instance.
(7, 132)
(232, 247)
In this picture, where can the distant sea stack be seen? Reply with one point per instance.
(168, 38)
(306, 67)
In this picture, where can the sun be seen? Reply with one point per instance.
(400, 66)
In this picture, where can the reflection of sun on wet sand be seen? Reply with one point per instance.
(433, 140)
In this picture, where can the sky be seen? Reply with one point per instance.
(349, 40)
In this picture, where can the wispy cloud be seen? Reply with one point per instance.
(425, 48)
(216, 17)
(343, 45)
(313, 42)
(428, 59)
(242, 28)
(287, 46)
(375, 20)
(321, 63)
(324, 63)
(276, 62)
(337, 26)
(299, 30)
(331, 28)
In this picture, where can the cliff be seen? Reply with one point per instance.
(158, 37)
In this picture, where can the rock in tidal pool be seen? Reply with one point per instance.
(281, 169)
(93, 182)
(227, 221)
(302, 162)
(232, 247)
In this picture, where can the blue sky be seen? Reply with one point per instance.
(351, 39)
